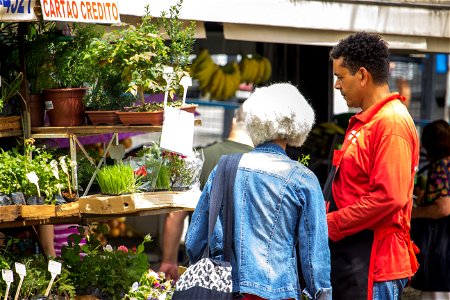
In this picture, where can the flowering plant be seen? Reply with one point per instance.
(104, 271)
(167, 170)
(152, 285)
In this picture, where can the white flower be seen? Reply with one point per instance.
(148, 238)
(108, 248)
(152, 274)
(134, 287)
(162, 296)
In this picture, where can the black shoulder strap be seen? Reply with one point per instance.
(222, 195)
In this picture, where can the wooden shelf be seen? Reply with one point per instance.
(95, 208)
(65, 132)
(11, 133)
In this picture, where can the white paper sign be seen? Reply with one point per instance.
(54, 267)
(20, 269)
(177, 131)
(7, 275)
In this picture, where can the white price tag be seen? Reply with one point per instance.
(177, 131)
(20, 269)
(48, 105)
(54, 267)
(7, 275)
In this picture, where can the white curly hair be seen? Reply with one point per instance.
(278, 111)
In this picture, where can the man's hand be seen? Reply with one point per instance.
(170, 269)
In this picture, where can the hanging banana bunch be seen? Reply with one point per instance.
(202, 68)
(256, 69)
(221, 82)
(225, 82)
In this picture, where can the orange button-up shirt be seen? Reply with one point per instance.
(374, 183)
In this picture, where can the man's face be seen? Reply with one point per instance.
(347, 84)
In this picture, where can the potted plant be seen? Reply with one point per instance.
(140, 54)
(38, 62)
(104, 271)
(16, 175)
(68, 73)
(9, 90)
(117, 179)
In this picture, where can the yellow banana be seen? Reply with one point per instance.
(236, 75)
(245, 67)
(216, 82)
(254, 67)
(259, 75)
(267, 69)
(204, 53)
(205, 74)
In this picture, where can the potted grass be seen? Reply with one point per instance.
(117, 179)
(140, 54)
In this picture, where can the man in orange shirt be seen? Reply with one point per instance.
(370, 205)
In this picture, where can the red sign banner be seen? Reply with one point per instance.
(99, 11)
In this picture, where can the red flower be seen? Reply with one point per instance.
(123, 249)
(142, 171)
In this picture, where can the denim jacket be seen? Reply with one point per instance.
(278, 206)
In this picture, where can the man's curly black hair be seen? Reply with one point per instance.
(366, 50)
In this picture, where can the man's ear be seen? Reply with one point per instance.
(363, 75)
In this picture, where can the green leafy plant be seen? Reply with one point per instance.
(15, 165)
(106, 269)
(138, 54)
(38, 277)
(66, 67)
(9, 90)
(38, 55)
(304, 159)
(117, 179)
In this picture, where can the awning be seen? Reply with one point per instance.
(422, 26)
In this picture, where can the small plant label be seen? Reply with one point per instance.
(185, 82)
(22, 271)
(178, 131)
(48, 105)
(54, 268)
(7, 276)
(117, 152)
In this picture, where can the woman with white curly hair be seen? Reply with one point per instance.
(278, 207)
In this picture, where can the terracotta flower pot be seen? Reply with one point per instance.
(65, 106)
(37, 110)
(105, 117)
(149, 117)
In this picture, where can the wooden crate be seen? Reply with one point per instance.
(67, 209)
(101, 204)
(8, 213)
(37, 211)
(10, 123)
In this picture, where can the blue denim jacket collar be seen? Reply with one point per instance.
(270, 147)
